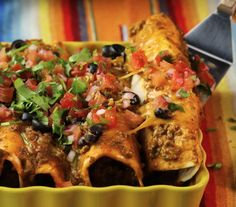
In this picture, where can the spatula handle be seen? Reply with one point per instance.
(227, 7)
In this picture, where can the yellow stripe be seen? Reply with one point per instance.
(202, 9)
(43, 21)
(227, 108)
(90, 20)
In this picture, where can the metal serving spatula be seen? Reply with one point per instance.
(212, 40)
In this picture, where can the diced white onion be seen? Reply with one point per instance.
(167, 98)
(71, 156)
(170, 72)
(128, 95)
(42, 51)
(138, 87)
(126, 104)
(91, 93)
(71, 138)
(100, 112)
(32, 47)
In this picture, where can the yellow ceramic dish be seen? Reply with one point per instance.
(114, 196)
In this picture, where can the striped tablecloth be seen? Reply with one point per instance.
(107, 20)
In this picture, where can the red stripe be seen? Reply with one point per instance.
(67, 20)
(176, 8)
(209, 198)
(74, 13)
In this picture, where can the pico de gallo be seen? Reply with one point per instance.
(75, 97)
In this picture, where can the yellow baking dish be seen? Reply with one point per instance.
(113, 196)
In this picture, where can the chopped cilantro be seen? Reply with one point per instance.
(233, 128)
(41, 117)
(78, 86)
(175, 107)
(89, 122)
(31, 96)
(83, 56)
(44, 65)
(183, 93)
(57, 90)
(1, 80)
(57, 126)
(8, 123)
(14, 51)
(25, 139)
(65, 65)
(215, 166)
(211, 129)
(17, 59)
(232, 120)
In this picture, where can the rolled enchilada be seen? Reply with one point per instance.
(113, 160)
(171, 108)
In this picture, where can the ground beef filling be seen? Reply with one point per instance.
(163, 142)
(107, 172)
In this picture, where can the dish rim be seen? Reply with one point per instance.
(202, 172)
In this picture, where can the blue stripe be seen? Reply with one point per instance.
(15, 19)
(7, 21)
(164, 7)
(82, 21)
(1, 20)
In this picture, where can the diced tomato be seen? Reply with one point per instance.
(6, 81)
(6, 94)
(68, 101)
(79, 113)
(177, 80)
(109, 81)
(69, 83)
(166, 65)
(46, 55)
(3, 56)
(181, 66)
(49, 90)
(99, 58)
(98, 99)
(31, 84)
(207, 78)
(139, 59)
(160, 102)
(110, 116)
(78, 71)
(203, 67)
(188, 83)
(95, 117)
(26, 75)
(134, 119)
(58, 69)
(16, 67)
(32, 58)
(158, 59)
(5, 114)
(182, 76)
(158, 79)
(3, 65)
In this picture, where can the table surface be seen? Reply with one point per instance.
(108, 20)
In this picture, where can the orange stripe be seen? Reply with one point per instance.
(190, 14)
(56, 20)
(220, 151)
(108, 16)
(89, 20)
